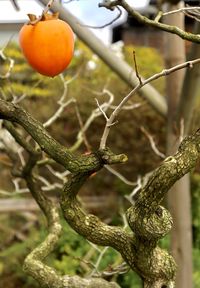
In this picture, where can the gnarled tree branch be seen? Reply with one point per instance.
(147, 219)
(62, 155)
(33, 264)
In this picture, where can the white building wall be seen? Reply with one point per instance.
(9, 31)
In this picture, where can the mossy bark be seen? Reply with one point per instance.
(148, 221)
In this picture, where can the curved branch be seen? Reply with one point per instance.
(147, 219)
(145, 20)
(114, 114)
(107, 24)
(150, 262)
(90, 226)
(15, 113)
(33, 264)
(91, 162)
(170, 171)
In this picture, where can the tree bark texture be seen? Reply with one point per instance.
(148, 221)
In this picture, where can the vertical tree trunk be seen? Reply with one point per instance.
(181, 237)
(190, 86)
(179, 196)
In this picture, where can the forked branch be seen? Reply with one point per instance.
(117, 110)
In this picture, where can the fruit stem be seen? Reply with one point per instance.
(45, 15)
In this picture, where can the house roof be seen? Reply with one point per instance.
(13, 21)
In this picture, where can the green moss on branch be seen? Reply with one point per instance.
(74, 163)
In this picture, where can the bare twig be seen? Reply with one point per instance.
(152, 143)
(61, 102)
(46, 9)
(67, 2)
(15, 4)
(47, 185)
(111, 4)
(58, 113)
(100, 108)
(88, 146)
(17, 99)
(59, 175)
(107, 24)
(183, 9)
(165, 72)
(95, 113)
(96, 266)
(193, 16)
(135, 191)
(120, 176)
(12, 194)
(11, 65)
(182, 128)
(118, 270)
(136, 68)
(48, 6)
(128, 107)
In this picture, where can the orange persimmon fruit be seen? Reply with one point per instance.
(48, 45)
